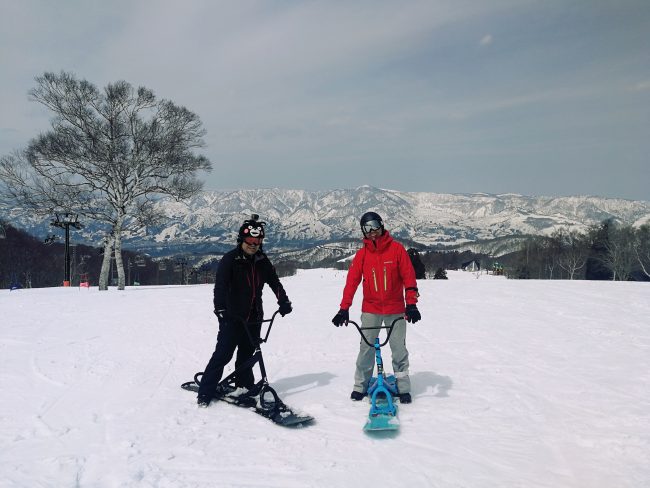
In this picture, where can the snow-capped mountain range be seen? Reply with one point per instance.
(299, 219)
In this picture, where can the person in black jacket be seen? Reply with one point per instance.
(240, 277)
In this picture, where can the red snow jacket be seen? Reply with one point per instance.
(387, 272)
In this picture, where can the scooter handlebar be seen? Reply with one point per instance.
(389, 328)
(260, 322)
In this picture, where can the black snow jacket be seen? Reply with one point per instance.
(239, 282)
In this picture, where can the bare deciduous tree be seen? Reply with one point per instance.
(619, 256)
(642, 248)
(106, 156)
(574, 250)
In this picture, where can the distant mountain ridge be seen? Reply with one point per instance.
(299, 219)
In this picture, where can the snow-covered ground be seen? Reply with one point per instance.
(516, 384)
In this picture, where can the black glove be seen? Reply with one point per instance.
(221, 315)
(341, 318)
(285, 308)
(412, 313)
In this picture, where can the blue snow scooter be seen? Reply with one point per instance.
(381, 388)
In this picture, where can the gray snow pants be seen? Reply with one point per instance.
(366, 358)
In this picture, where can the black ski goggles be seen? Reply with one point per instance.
(370, 226)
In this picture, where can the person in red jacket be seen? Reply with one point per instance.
(388, 281)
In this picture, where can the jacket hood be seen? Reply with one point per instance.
(379, 244)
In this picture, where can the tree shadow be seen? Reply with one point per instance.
(427, 383)
(303, 382)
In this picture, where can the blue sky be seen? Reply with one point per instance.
(500, 96)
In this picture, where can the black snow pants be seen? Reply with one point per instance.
(232, 335)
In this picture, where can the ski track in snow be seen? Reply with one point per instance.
(515, 384)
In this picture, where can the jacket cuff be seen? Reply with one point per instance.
(412, 296)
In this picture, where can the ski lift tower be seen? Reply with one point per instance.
(65, 222)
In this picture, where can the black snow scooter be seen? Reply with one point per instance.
(261, 398)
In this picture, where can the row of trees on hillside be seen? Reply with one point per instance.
(108, 155)
(454, 260)
(27, 261)
(608, 251)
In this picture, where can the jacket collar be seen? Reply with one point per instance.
(255, 257)
(379, 244)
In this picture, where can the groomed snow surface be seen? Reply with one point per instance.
(515, 383)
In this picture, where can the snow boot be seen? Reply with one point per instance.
(357, 396)
(203, 401)
(405, 398)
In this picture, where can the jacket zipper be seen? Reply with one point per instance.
(253, 289)
(374, 278)
(385, 281)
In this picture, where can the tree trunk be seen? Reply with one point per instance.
(119, 263)
(643, 268)
(106, 263)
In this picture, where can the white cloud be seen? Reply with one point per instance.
(642, 86)
(486, 41)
